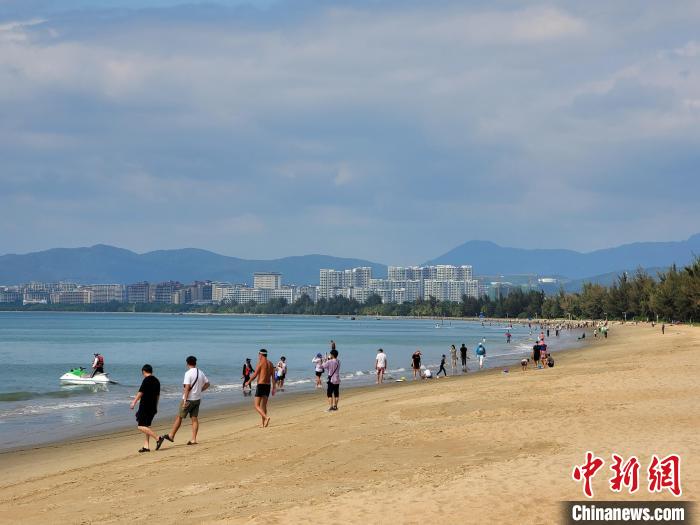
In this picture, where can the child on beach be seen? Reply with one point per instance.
(523, 363)
(442, 367)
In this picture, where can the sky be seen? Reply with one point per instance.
(387, 130)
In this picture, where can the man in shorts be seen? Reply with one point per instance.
(264, 372)
(194, 383)
(147, 398)
(415, 364)
(380, 365)
(332, 368)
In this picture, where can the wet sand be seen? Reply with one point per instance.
(481, 448)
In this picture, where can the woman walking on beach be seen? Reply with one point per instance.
(415, 364)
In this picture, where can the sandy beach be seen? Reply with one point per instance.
(481, 448)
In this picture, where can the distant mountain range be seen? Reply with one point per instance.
(107, 264)
(490, 258)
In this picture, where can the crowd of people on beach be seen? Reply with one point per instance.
(270, 378)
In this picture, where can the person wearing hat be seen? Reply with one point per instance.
(264, 373)
(318, 366)
(98, 365)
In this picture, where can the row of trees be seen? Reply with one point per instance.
(673, 295)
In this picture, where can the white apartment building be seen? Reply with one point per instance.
(80, 296)
(267, 280)
(106, 293)
(331, 282)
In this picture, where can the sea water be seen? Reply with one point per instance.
(36, 348)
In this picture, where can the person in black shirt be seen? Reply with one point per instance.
(147, 397)
(464, 356)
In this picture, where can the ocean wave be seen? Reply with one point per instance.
(9, 397)
(32, 410)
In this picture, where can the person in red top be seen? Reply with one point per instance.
(264, 372)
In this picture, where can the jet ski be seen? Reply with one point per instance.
(80, 376)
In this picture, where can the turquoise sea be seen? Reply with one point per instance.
(36, 348)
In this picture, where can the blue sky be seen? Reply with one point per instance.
(389, 130)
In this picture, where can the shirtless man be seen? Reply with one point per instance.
(264, 374)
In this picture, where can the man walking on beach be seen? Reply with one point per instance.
(264, 372)
(332, 368)
(380, 364)
(194, 383)
(147, 398)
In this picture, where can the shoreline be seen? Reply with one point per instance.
(225, 407)
(421, 448)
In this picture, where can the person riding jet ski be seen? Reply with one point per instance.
(98, 365)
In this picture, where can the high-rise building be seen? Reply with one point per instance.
(138, 293)
(164, 291)
(267, 280)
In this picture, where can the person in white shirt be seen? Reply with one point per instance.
(318, 368)
(281, 373)
(194, 383)
(380, 364)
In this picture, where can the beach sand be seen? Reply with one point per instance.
(485, 448)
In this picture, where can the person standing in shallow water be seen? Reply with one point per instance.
(380, 364)
(442, 367)
(463, 352)
(453, 358)
(264, 373)
(415, 364)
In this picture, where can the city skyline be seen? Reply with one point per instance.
(387, 130)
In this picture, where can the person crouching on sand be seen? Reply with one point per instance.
(264, 373)
(194, 383)
(147, 398)
(332, 367)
